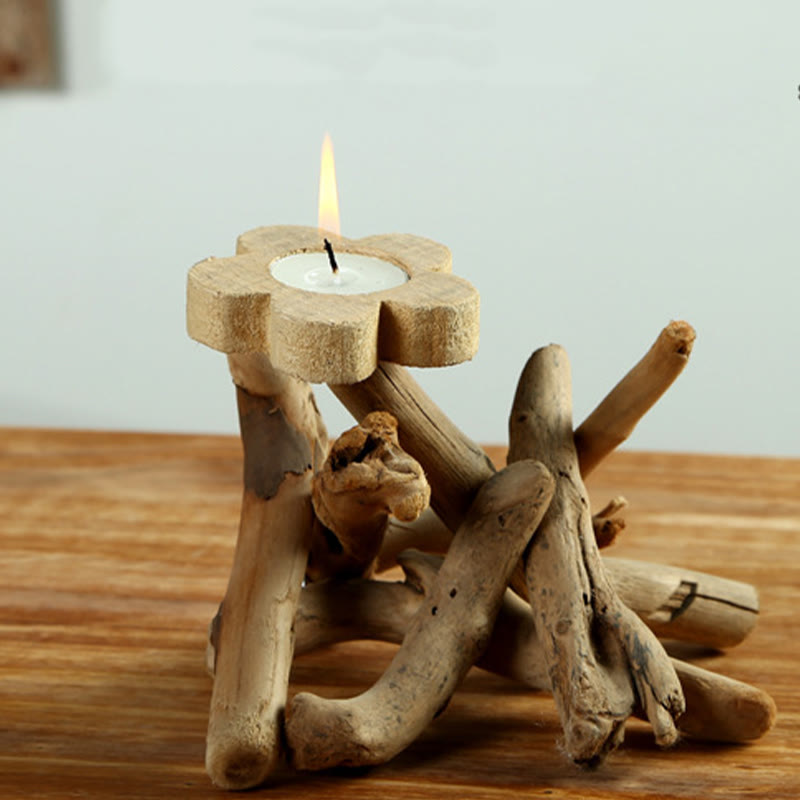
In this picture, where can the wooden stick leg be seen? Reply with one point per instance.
(601, 658)
(283, 437)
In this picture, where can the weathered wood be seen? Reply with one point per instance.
(455, 466)
(674, 602)
(283, 436)
(683, 604)
(601, 658)
(718, 709)
(613, 421)
(430, 534)
(115, 551)
(365, 478)
(443, 640)
(426, 533)
(606, 526)
(235, 305)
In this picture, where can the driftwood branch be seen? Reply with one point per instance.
(429, 534)
(674, 602)
(283, 437)
(717, 708)
(686, 605)
(444, 638)
(366, 477)
(601, 658)
(613, 421)
(456, 467)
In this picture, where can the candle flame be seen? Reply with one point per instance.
(328, 219)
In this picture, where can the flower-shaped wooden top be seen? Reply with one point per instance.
(236, 305)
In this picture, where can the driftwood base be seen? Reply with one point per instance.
(586, 629)
(718, 709)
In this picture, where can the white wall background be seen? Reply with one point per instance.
(597, 169)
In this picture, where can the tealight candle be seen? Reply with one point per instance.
(327, 309)
(356, 273)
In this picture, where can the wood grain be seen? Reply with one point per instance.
(236, 305)
(116, 550)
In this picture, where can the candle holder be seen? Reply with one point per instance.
(236, 305)
(586, 628)
(278, 338)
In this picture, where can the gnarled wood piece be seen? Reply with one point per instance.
(456, 467)
(283, 438)
(613, 421)
(366, 477)
(444, 638)
(601, 658)
(718, 709)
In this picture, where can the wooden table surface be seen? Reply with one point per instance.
(115, 553)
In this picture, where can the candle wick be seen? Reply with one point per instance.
(331, 256)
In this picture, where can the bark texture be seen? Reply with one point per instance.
(602, 660)
(283, 437)
(445, 637)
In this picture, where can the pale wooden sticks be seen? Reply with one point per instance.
(445, 637)
(283, 437)
(601, 658)
(429, 534)
(674, 602)
(613, 421)
(456, 466)
(718, 709)
(366, 477)
(686, 605)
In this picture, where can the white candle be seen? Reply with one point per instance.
(357, 274)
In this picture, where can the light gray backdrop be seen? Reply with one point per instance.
(596, 168)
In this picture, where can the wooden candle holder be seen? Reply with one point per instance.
(278, 338)
(235, 305)
(588, 633)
